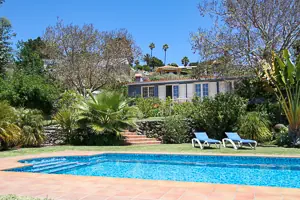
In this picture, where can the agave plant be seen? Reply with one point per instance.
(284, 76)
(31, 123)
(107, 111)
(10, 133)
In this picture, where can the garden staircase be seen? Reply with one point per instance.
(132, 138)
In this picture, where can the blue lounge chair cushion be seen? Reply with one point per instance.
(202, 137)
(233, 136)
(212, 141)
(247, 141)
(236, 138)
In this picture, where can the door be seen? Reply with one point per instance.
(162, 92)
(169, 92)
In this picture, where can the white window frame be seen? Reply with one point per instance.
(195, 91)
(148, 91)
(203, 89)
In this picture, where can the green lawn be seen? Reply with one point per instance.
(14, 197)
(173, 148)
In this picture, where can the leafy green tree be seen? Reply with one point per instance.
(6, 35)
(185, 61)
(193, 63)
(30, 56)
(106, 112)
(156, 62)
(165, 48)
(173, 64)
(31, 123)
(29, 91)
(147, 59)
(10, 133)
(284, 77)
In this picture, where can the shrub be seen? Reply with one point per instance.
(185, 109)
(282, 137)
(177, 130)
(149, 107)
(67, 115)
(256, 126)
(10, 133)
(88, 136)
(166, 108)
(218, 115)
(31, 123)
(68, 99)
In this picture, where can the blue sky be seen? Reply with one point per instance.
(158, 21)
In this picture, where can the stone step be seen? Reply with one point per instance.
(141, 140)
(144, 143)
(134, 136)
(128, 133)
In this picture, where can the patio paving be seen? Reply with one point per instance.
(67, 187)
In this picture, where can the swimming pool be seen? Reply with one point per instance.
(242, 170)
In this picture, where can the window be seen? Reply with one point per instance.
(148, 92)
(205, 90)
(175, 91)
(198, 90)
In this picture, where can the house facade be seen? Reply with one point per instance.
(181, 90)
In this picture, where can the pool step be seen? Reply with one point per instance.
(132, 138)
(51, 171)
(54, 166)
(47, 164)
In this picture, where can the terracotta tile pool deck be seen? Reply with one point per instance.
(67, 187)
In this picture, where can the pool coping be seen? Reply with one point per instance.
(13, 162)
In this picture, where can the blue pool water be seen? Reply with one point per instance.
(259, 171)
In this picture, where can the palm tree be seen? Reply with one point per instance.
(137, 62)
(107, 112)
(165, 48)
(151, 46)
(185, 61)
(10, 133)
(147, 59)
(31, 123)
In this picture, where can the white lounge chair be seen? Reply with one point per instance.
(237, 141)
(202, 137)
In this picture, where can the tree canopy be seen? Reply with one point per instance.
(86, 58)
(30, 56)
(6, 34)
(246, 31)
